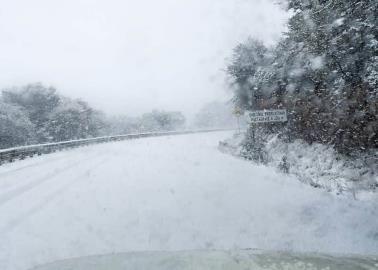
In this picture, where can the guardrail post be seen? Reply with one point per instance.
(12, 156)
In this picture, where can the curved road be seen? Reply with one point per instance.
(167, 193)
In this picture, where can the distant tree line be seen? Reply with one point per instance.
(35, 113)
(148, 122)
(324, 71)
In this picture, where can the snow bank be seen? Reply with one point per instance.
(319, 165)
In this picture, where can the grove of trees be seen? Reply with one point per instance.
(38, 114)
(324, 71)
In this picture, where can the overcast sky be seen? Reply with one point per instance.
(130, 56)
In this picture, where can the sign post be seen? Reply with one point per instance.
(238, 113)
(266, 116)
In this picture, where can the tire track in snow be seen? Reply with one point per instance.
(4, 252)
(14, 193)
(14, 175)
(50, 197)
(44, 161)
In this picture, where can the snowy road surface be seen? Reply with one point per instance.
(167, 193)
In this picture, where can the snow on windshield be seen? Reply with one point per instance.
(200, 125)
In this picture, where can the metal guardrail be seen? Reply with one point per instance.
(20, 153)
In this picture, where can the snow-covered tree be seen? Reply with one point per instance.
(324, 71)
(162, 121)
(52, 117)
(15, 127)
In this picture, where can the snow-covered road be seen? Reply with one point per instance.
(167, 193)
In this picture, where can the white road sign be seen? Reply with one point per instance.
(267, 116)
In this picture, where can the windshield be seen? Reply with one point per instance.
(186, 131)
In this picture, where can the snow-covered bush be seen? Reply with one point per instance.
(318, 165)
(322, 166)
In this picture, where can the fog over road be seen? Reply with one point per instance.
(167, 193)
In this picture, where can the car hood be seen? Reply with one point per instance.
(215, 260)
